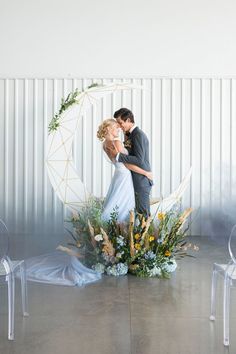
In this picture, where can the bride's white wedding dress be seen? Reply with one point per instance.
(120, 193)
(59, 268)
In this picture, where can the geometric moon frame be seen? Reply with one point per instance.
(165, 204)
(59, 160)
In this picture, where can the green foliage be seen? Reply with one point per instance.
(65, 104)
(72, 98)
(94, 85)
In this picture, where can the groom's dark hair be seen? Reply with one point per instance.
(124, 114)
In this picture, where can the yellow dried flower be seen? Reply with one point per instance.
(167, 253)
(137, 246)
(133, 266)
(151, 238)
(107, 245)
(137, 236)
(91, 231)
(161, 216)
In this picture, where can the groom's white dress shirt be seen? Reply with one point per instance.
(130, 131)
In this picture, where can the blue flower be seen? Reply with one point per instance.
(149, 255)
(117, 269)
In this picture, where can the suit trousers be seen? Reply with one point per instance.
(142, 202)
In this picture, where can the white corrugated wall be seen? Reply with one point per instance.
(189, 121)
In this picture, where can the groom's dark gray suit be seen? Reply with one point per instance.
(138, 147)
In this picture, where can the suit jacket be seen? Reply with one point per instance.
(138, 146)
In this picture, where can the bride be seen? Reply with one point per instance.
(121, 190)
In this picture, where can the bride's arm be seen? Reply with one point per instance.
(139, 170)
(119, 147)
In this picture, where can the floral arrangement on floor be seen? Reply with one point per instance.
(145, 247)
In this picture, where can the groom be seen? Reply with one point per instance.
(137, 144)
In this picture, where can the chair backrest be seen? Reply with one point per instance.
(4, 240)
(232, 244)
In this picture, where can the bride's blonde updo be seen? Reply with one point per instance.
(103, 128)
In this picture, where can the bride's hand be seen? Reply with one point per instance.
(149, 175)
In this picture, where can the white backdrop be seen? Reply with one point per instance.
(188, 121)
(124, 38)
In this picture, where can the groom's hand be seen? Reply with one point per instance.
(149, 175)
(113, 153)
(111, 150)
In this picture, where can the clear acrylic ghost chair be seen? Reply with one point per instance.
(7, 273)
(228, 271)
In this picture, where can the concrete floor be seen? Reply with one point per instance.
(125, 315)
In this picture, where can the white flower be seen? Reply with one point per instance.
(119, 255)
(120, 240)
(170, 266)
(137, 222)
(98, 237)
(155, 271)
(160, 239)
(99, 267)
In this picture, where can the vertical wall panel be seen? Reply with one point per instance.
(175, 133)
(44, 142)
(5, 148)
(195, 142)
(156, 141)
(189, 121)
(233, 140)
(2, 149)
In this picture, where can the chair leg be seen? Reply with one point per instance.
(24, 291)
(213, 295)
(226, 309)
(11, 305)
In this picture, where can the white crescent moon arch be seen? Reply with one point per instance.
(59, 160)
